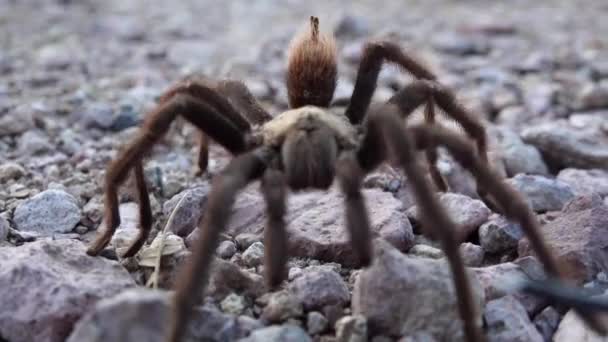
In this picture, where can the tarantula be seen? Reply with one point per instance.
(307, 147)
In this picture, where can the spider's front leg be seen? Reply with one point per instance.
(274, 189)
(193, 276)
(203, 115)
(384, 128)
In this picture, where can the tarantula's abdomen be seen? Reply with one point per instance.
(312, 68)
(309, 156)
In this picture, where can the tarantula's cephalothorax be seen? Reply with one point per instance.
(307, 147)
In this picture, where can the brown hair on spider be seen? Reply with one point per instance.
(312, 68)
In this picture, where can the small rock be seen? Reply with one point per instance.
(10, 171)
(543, 194)
(499, 235)
(507, 321)
(467, 213)
(426, 251)
(245, 240)
(191, 207)
(294, 272)
(142, 315)
(460, 45)
(546, 323)
(254, 255)
(286, 332)
(4, 229)
(399, 294)
(418, 337)
(585, 182)
(319, 288)
(34, 142)
(472, 255)
(582, 252)
(577, 142)
(17, 121)
(593, 96)
(519, 157)
(573, 328)
(226, 249)
(49, 212)
(282, 306)
(233, 304)
(351, 329)
(352, 26)
(52, 284)
(227, 278)
(316, 323)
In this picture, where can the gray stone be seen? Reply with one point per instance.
(577, 142)
(467, 213)
(143, 315)
(499, 235)
(226, 249)
(592, 96)
(578, 238)
(426, 251)
(227, 277)
(10, 171)
(519, 157)
(16, 122)
(351, 329)
(281, 306)
(245, 240)
(49, 212)
(233, 304)
(187, 216)
(319, 288)
(460, 45)
(352, 26)
(507, 321)
(52, 283)
(546, 323)
(585, 182)
(276, 333)
(543, 194)
(497, 282)
(316, 323)
(34, 142)
(399, 294)
(573, 328)
(4, 229)
(254, 255)
(472, 254)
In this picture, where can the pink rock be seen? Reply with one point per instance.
(578, 237)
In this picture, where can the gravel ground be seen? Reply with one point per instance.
(78, 76)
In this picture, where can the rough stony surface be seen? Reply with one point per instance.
(579, 142)
(543, 194)
(467, 213)
(4, 228)
(546, 322)
(78, 77)
(586, 182)
(508, 321)
(278, 333)
(51, 211)
(319, 288)
(572, 328)
(52, 283)
(351, 329)
(143, 315)
(582, 252)
(191, 207)
(499, 234)
(400, 294)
